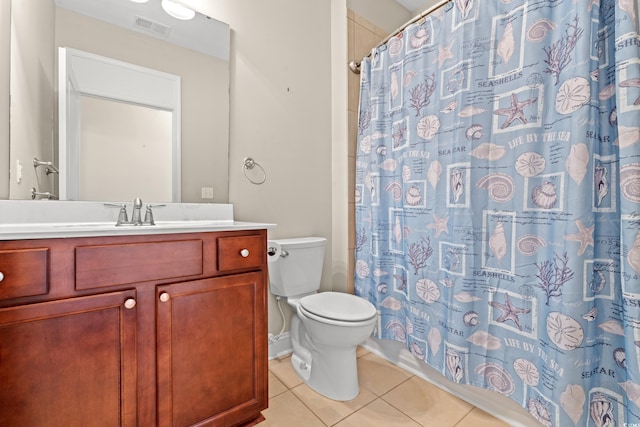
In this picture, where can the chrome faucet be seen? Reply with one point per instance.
(136, 215)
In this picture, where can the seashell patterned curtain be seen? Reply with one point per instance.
(498, 201)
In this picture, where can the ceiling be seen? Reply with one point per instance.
(416, 5)
(202, 33)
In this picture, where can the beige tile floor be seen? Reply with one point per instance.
(389, 396)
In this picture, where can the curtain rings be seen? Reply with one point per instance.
(248, 164)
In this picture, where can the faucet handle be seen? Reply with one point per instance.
(122, 215)
(148, 215)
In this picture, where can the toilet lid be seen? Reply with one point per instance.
(338, 306)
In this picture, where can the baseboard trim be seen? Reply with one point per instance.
(279, 345)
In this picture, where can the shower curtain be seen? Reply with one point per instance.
(498, 201)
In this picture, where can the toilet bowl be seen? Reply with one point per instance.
(326, 327)
(330, 338)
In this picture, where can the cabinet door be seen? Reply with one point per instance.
(212, 351)
(69, 362)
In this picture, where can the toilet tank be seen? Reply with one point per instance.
(299, 269)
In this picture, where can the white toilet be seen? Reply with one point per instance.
(326, 327)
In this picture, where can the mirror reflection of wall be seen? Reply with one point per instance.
(32, 83)
(108, 129)
(205, 94)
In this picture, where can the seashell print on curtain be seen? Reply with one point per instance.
(498, 201)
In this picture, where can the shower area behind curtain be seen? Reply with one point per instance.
(498, 201)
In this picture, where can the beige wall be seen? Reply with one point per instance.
(281, 116)
(340, 271)
(285, 64)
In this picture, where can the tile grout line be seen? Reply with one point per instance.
(290, 389)
(341, 419)
(396, 408)
(306, 406)
(409, 416)
(377, 397)
(353, 412)
(464, 416)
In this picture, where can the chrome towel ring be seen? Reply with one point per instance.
(248, 164)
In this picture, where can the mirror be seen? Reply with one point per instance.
(145, 133)
(39, 27)
(115, 113)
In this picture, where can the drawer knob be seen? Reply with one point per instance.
(129, 303)
(244, 253)
(1, 276)
(164, 297)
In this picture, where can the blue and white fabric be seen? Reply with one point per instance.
(498, 201)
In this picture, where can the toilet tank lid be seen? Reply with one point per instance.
(301, 242)
(338, 306)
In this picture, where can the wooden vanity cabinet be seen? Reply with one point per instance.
(165, 330)
(208, 368)
(69, 362)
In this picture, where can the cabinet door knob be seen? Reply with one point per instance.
(244, 253)
(1, 276)
(164, 297)
(129, 303)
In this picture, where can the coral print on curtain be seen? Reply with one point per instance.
(498, 201)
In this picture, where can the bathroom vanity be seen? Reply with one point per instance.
(134, 327)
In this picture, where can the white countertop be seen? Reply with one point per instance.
(40, 219)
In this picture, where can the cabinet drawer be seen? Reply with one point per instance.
(110, 265)
(24, 273)
(240, 252)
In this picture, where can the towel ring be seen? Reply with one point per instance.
(249, 164)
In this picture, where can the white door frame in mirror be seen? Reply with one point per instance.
(83, 73)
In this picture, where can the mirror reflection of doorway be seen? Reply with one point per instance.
(125, 151)
(125, 159)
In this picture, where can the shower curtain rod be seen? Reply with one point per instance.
(355, 65)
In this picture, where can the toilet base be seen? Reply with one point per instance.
(334, 373)
(301, 366)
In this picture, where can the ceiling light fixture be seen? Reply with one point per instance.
(139, 1)
(177, 10)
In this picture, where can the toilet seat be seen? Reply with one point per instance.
(338, 306)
